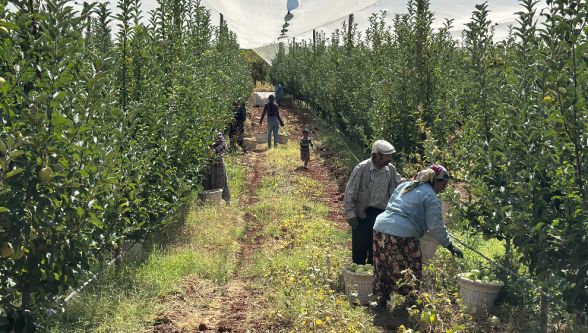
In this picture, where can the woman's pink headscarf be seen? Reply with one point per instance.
(429, 175)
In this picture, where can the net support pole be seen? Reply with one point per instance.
(313, 40)
(221, 24)
(350, 30)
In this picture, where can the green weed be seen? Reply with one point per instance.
(300, 269)
(205, 245)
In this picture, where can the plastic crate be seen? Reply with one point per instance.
(261, 137)
(250, 144)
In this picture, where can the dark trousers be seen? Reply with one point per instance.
(362, 238)
(236, 134)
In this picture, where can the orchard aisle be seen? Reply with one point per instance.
(217, 305)
(292, 242)
(222, 306)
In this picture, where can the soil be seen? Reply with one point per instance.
(234, 307)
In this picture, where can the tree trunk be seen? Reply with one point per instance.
(543, 313)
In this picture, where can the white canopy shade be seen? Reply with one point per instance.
(259, 23)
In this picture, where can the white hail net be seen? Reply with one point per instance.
(261, 24)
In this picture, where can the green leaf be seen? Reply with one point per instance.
(15, 154)
(60, 121)
(80, 212)
(14, 172)
(538, 227)
(96, 222)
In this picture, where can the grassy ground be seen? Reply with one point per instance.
(264, 86)
(128, 302)
(299, 269)
(277, 250)
(204, 246)
(295, 270)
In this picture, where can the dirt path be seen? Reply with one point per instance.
(240, 301)
(318, 168)
(233, 307)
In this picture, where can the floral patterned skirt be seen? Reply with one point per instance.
(397, 264)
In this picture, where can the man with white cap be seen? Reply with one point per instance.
(367, 192)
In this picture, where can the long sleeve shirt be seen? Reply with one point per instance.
(279, 92)
(369, 187)
(412, 214)
(240, 115)
(219, 148)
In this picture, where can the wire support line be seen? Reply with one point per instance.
(93, 277)
(502, 267)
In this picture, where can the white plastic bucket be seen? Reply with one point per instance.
(358, 286)
(261, 137)
(261, 97)
(212, 196)
(428, 247)
(478, 296)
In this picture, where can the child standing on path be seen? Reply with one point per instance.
(305, 144)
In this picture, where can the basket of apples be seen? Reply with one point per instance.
(359, 281)
(479, 288)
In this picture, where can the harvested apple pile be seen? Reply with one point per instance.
(481, 276)
(361, 269)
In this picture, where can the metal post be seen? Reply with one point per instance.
(349, 30)
(221, 25)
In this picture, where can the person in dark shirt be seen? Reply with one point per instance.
(273, 121)
(216, 174)
(305, 144)
(237, 127)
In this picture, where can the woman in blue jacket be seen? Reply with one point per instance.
(412, 210)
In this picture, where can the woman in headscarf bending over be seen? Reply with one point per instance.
(412, 210)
